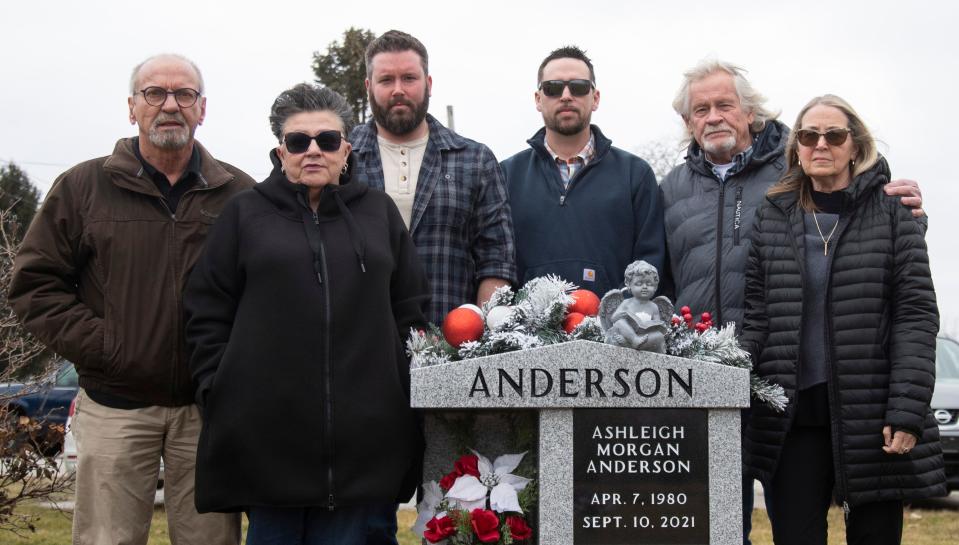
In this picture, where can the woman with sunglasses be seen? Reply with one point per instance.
(297, 315)
(841, 311)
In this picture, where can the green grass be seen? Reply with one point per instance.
(921, 527)
(53, 528)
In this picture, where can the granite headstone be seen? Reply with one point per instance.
(634, 447)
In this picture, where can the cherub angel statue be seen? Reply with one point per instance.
(640, 321)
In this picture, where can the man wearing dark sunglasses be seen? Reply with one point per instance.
(449, 189)
(582, 209)
(99, 280)
(736, 152)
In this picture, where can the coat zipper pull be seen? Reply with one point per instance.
(845, 510)
(562, 200)
(331, 505)
(317, 266)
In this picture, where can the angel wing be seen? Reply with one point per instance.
(666, 308)
(608, 305)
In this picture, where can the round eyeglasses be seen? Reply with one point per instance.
(156, 96)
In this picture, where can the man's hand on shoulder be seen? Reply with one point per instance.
(910, 195)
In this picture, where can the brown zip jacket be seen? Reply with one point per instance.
(102, 268)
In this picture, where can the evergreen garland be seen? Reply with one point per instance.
(536, 319)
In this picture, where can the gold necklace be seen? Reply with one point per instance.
(825, 240)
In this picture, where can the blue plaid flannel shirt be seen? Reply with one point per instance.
(461, 223)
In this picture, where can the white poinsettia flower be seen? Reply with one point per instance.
(496, 480)
(468, 493)
(426, 509)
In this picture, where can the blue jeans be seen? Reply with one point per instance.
(372, 524)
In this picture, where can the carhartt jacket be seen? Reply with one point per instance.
(101, 271)
(587, 232)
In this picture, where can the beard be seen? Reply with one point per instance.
(566, 128)
(170, 139)
(722, 146)
(396, 122)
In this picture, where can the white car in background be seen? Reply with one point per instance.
(945, 406)
(67, 460)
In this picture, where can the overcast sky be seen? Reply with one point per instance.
(66, 65)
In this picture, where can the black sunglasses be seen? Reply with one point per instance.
(298, 142)
(577, 87)
(834, 137)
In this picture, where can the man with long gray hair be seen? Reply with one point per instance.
(736, 152)
(99, 279)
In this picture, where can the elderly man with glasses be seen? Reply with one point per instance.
(99, 279)
(582, 209)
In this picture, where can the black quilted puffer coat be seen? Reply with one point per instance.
(881, 325)
(709, 222)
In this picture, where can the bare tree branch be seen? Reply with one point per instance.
(26, 474)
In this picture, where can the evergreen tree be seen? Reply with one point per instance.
(18, 197)
(343, 69)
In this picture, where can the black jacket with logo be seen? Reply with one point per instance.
(709, 222)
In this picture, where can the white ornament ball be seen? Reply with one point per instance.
(474, 308)
(497, 316)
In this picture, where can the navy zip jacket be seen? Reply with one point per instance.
(608, 216)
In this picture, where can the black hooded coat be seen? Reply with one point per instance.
(297, 324)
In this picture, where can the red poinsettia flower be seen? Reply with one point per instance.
(447, 482)
(438, 529)
(518, 528)
(468, 464)
(485, 524)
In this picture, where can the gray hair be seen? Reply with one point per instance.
(750, 99)
(308, 97)
(135, 75)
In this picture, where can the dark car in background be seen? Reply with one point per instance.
(39, 409)
(945, 405)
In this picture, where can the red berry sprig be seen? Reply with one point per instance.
(686, 316)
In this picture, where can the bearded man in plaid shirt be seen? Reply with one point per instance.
(449, 189)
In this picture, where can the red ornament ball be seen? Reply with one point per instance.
(572, 320)
(585, 302)
(462, 325)
(685, 310)
(706, 317)
(688, 317)
(676, 320)
(700, 327)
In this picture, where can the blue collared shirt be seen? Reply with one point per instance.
(739, 161)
